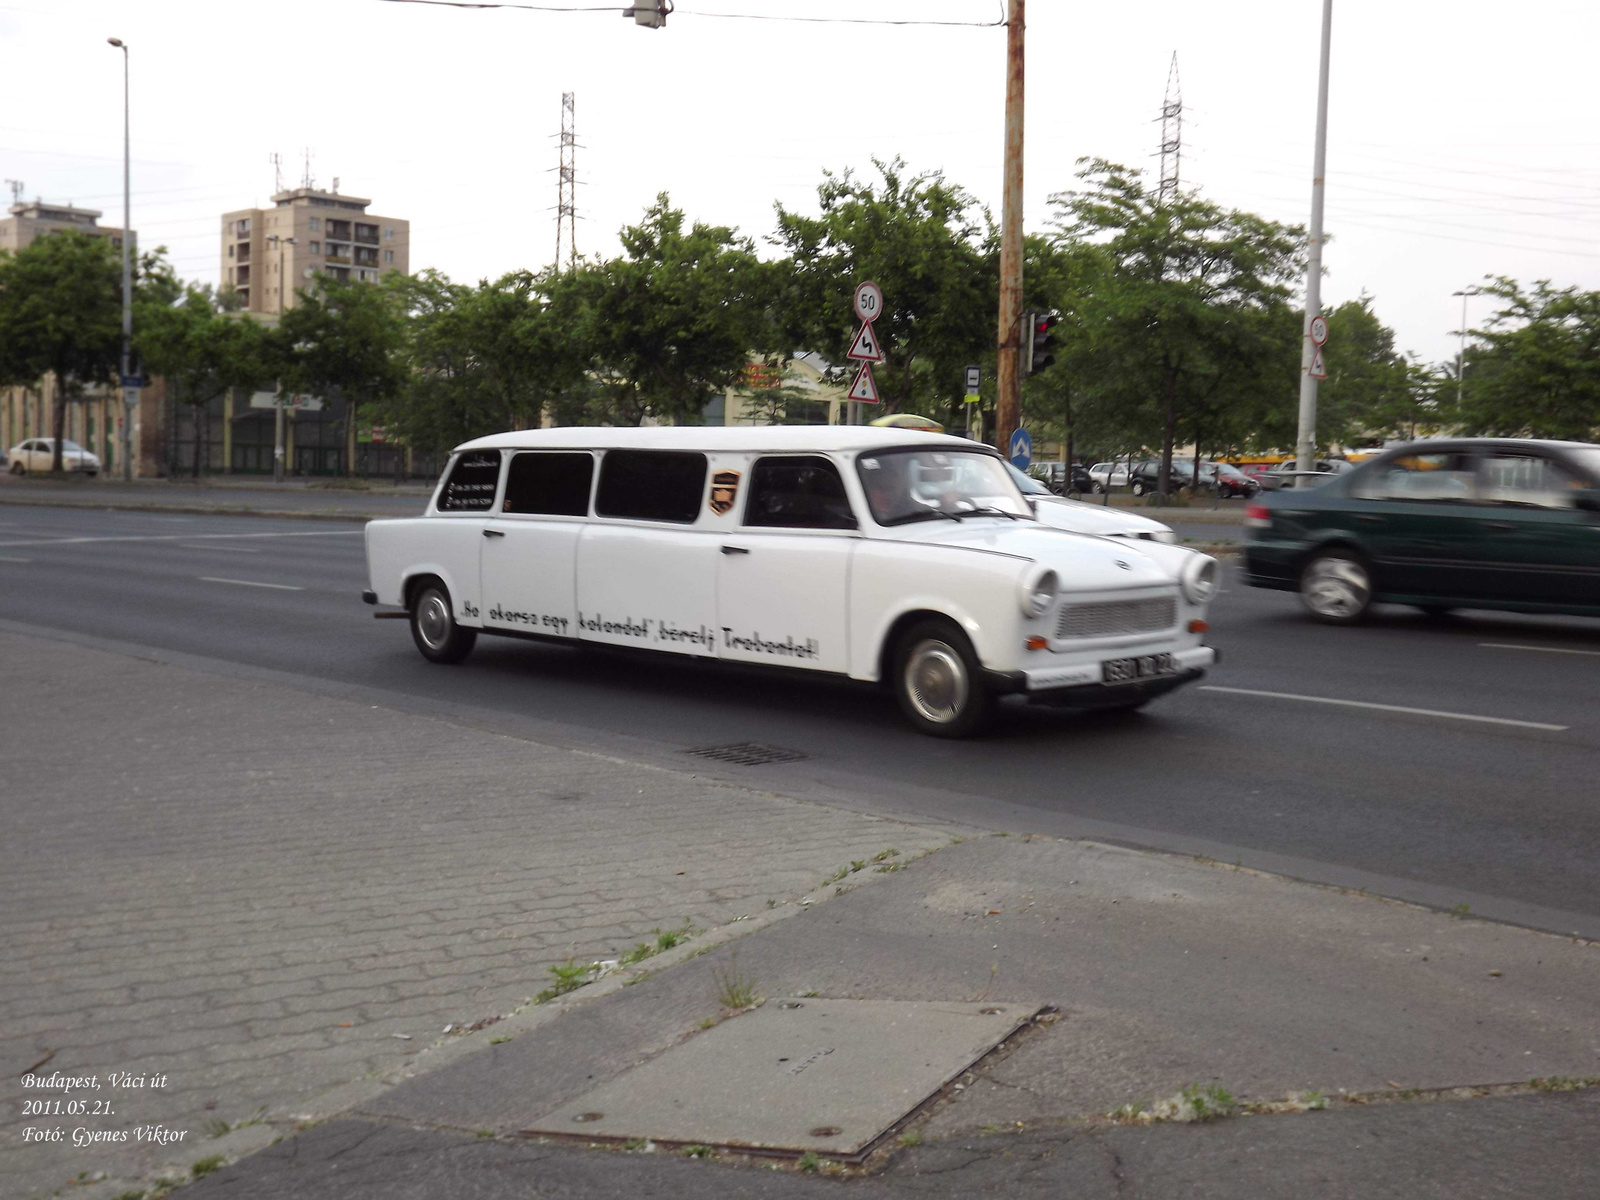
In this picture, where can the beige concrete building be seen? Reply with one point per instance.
(95, 422)
(270, 254)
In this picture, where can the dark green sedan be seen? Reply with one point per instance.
(1439, 524)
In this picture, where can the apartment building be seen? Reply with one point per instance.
(270, 254)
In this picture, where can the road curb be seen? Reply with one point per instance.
(202, 510)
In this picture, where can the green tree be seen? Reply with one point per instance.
(346, 339)
(929, 246)
(201, 351)
(1534, 369)
(1187, 323)
(61, 315)
(675, 318)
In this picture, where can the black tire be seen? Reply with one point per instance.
(1099, 488)
(1137, 488)
(1336, 587)
(434, 628)
(939, 682)
(18, 468)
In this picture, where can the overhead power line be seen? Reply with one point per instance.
(725, 16)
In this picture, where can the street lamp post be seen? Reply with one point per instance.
(129, 401)
(1461, 352)
(277, 444)
(1306, 438)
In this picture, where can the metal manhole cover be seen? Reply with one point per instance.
(747, 754)
(830, 1076)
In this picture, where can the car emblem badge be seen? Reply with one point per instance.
(724, 489)
(1123, 565)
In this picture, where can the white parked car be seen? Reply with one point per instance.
(35, 454)
(868, 553)
(1110, 474)
(1076, 516)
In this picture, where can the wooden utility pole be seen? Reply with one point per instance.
(1008, 381)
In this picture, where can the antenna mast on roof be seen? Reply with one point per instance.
(16, 186)
(307, 180)
(1171, 136)
(567, 184)
(276, 160)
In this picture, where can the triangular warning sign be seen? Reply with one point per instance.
(1319, 368)
(864, 388)
(865, 348)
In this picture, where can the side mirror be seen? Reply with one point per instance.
(1588, 499)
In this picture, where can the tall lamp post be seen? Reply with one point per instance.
(1306, 438)
(130, 395)
(277, 444)
(1461, 353)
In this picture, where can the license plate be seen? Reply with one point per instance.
(1131, 670)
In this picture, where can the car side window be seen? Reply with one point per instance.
(549, 484)
(1530, 480)
(797, 492)
(471, 484)
(1445, 476)
(651, 485)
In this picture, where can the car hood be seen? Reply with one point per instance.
(1078, 517)
(1083, 561)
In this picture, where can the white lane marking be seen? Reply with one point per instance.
(185, 537)
(13, 558)
(282, 587)
(1542, 649)
(229, 549)
(1394, 708)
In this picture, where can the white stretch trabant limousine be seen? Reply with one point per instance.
(871, 553)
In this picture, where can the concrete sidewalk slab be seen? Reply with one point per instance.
(262, 893)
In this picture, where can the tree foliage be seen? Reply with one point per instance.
(1534, 369)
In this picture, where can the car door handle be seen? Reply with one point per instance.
(494, 533)
(735, 550)
(1498, 525)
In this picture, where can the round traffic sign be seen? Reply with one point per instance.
(1021, 449)
(868, 301)
(1319, 329)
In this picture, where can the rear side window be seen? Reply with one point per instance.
(554, 485)
(798, 492)
(471, 483)
(651, 485)
(1444, 476)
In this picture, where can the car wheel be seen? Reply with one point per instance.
(17, 468)
(1336, 587)
(939, 681)
(434, 628)
(1138, 488)
(1099, 489)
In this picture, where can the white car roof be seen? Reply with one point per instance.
(722, 439)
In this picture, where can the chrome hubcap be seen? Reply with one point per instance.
(1336, 587)
(433, 620)
(936, 682)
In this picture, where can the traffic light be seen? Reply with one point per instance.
(652, 14)
(1038, 342)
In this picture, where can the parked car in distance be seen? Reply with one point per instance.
(1056, 476)
(1104, 475)
(1076, 516)
(1498, 523)
(864, 553)
(1146, 478)
(1287, 474)
(35, 455)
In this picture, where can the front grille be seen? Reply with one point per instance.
(1107, 618)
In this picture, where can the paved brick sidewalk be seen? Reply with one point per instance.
(253, 890)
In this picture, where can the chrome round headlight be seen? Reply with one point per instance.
(1039, 590)
(1199, 578)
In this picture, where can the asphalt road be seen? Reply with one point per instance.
(1489, 798)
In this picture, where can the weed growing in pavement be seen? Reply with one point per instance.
(495, 1041)
(697, 1151)
(1460, 911)
(911, 1137)
(809, 992)
(1193, 1103)
(836, 876)
(735, 989)
(1560, 1083)
(809, 1161)
(215, 1129)
(708, 1023)
(569, 977)
(206, 1166)
(665, 939)
(484, 1133)
(883, 855)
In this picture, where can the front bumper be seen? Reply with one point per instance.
(1080, 686)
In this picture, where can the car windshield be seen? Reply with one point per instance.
(69, 444)
(924, 485)
(1027, 484)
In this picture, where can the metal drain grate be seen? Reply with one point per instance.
(747, 754)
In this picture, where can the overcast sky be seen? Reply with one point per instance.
(1462, 140)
